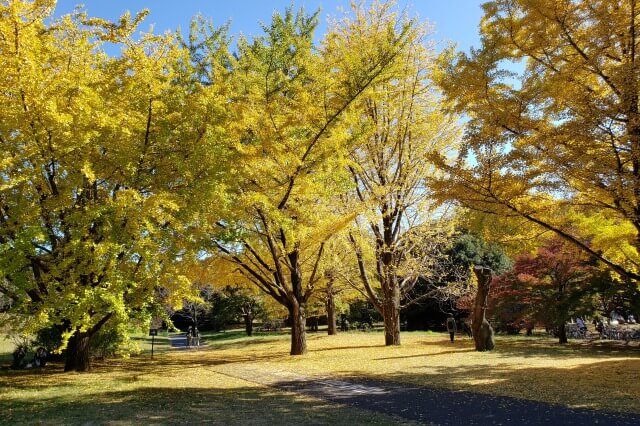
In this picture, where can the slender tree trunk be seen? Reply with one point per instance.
(562, 332)
(563, 314)
(482, 331)
(331, 310)
(248, 324)
(391, 316)
(77, 356)
(298, 330)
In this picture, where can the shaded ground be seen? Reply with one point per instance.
(432, 406)
(349, 379)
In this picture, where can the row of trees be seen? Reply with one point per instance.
(119, 172)
(297, 166)
(332, 155)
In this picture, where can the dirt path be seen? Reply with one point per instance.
(428, 405)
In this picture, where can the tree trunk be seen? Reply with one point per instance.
(562, 313)
(77, 353)
(298, 330)
(482, 331)
(391, 316)
(248, 324)
(562, 332)
(331, 311)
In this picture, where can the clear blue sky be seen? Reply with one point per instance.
(454, 20)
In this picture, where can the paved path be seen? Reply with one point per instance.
(432, 406)
(179, 341)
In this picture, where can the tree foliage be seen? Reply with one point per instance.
(548, 287)
(102, 162)
(289, 149)
(454, 288)
(397, 126)
(554, 125)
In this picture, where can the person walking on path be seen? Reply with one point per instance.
(451, 327)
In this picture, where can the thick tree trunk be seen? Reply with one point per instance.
(391, 316)
(482, 331)
(77, 356)
(248, 324)
(298, 330)
(331, 310)
(562, 332)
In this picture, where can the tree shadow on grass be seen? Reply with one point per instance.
(600, 385)
(170, 364)
(340, 348)
(158, 405)
(128, 369)
(543, 347)
(426, 355)
(217, 344)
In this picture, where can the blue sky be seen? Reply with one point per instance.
(454, 20)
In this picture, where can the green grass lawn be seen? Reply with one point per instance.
(6, 348)
(203, 385)
(160, 342)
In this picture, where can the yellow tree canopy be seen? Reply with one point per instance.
(288, 146)
(554, 125)
(103, 164)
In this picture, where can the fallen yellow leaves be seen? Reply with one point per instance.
(206, 383)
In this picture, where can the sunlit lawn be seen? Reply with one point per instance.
(599, 376)
(197, 386)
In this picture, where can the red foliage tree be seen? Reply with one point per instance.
(546, 287)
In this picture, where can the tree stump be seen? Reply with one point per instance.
(482, 331)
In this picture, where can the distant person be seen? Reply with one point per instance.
(189, 335)
(616, 318)
(529, 327)
(40, 358)
(196, 336)
(631, 319)
(466, 328)
(344, 323)
(451, 327)
(581, 324)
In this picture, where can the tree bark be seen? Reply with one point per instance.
(391, 316)
(331, 310)
(563, 314)
(562, 332)
(77, 356)
(298, 330)
(482, 331)
(248, 324)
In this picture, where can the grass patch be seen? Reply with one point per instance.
(535, 368)
(169, 389)
(160, 342)
(7, 347)
(202, 385)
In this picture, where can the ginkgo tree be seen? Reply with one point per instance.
(554, 124)
(102, 163)
(397, 126)
(288, 151)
